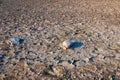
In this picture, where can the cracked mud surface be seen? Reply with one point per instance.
(44, 24)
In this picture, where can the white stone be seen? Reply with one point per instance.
(67, 44)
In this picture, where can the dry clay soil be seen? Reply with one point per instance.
(44, 24)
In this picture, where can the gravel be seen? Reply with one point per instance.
(32, 31)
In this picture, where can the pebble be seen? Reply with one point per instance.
(60, 61)
(57, 58)
(2, 57)
(14, 64)
(70, 62)
(31, 69)
(16, 41)
(113, 77)
(92, 59)
(67, 44)
(17, 52)
(21, 59)
(38, 58)
(102, 79)
(29, 63)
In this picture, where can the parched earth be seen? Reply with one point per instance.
(31, 32)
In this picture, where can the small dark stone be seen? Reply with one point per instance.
(21, 47)
(17, 41)
(2, 57)
(99, 34)
(57, 58)
(46, 73)
(5, 74)
(84, 32)
(22, 59)
(32, 52)
(60, 61)
(76, 33)
(74, 61)
(91, 60)
(17, 52)
(33, 70)
(50, 66)
(41, 43)
(38, 36)
(33, 30)
(102, 79)
(7, 48)
(89, 35)
(96, 49)
(16, 26)
(95, 78)
(1, 61)
(114, 77)
(21, 41)
(34, 43)
(48, 46)
(69, 61)
(14, 64)
(37, 58)
(29, 63)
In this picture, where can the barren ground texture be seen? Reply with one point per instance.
(42, 25)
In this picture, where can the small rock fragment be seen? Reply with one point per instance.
(70, 62)
(113, 77)
(29, 63)
(31, 69)
(57, 58)
(102, 79)
(67, 44)
(16, 41)
(21, 59)
(17, 52)
(92, 60)
(2, 57)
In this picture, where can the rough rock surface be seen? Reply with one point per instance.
(44, 24)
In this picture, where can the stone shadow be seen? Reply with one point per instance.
(76, 45)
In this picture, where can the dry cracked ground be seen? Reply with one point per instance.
(31, 32)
